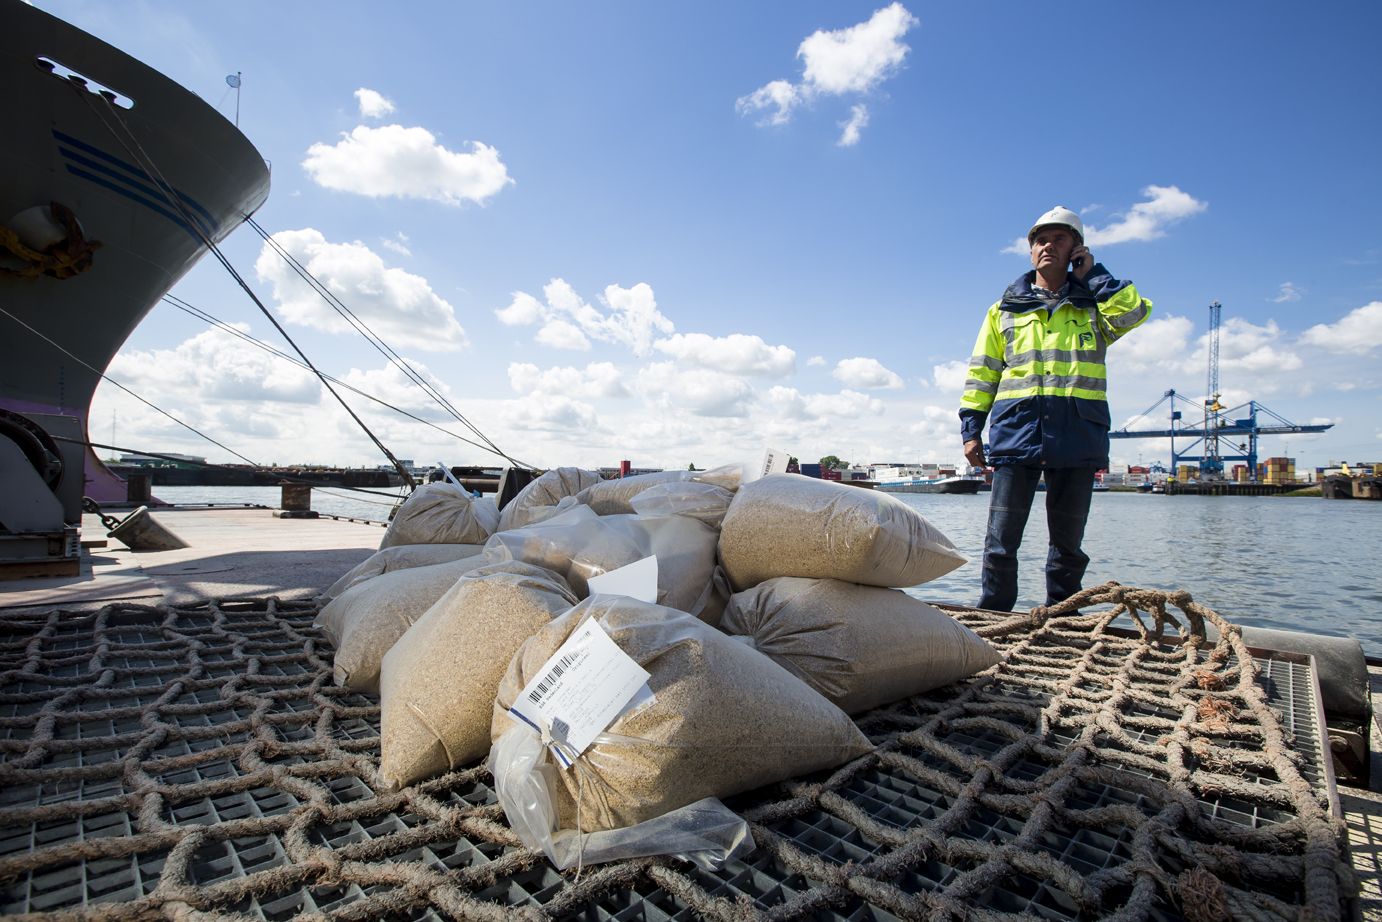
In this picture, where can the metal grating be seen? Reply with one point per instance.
(158, 758)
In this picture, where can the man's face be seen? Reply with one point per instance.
(1052, 246)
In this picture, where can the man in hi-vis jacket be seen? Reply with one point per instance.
(1037, 377)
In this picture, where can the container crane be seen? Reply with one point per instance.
(1219, 423)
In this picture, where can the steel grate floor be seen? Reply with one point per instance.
(216, 734)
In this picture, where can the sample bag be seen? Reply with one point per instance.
(366, 620)
(701, 501)
(546, 490)
(579, 544)
(859, 646)
(402, 557)
(790, 525)
(442, 513)
(611, 497)
(438, 682)
(717, 718)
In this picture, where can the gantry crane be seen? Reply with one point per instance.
(1219, 423)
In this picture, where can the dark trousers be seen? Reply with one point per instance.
(1068, 491)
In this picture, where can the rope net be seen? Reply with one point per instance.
(198, 763)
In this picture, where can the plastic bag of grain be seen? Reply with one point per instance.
(438, 682)
(718, 718)
(790, 525)
(701, 501)
(546, 490)
(859, 646)
(612, 497)
(366, 620)
(402, 557)
(727, 476)
(579, 544)
(441, 513)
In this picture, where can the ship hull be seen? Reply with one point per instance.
(62, 333)
(954, 486)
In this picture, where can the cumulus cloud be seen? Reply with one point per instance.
(598, 379)
(859, 117)
(568, 322)
(699, 391)
(938, 430)
(399, 306)
(1359, 332)
(868, 373)
(816, 360)
(1158, 345)
(399, 245)
(950, 376)
(1144, 221)
(406, 163)
(1248, 349)
(793, 405)
(1289, 292)
(393, 386)
(851, 60)
(372, 104)
(215, 366)
(552, 413)
(736, 354)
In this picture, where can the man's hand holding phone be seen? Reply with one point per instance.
(1081, 261)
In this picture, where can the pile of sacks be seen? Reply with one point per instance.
(778, 613)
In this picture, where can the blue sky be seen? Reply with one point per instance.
(734, 274)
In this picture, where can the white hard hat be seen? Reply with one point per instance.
(1058, 215)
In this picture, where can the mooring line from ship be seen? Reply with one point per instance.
(384, 349)
(122, 387)
(145, 161)
(219, 324)
(285, 478)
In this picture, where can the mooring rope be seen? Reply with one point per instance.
(199, 732)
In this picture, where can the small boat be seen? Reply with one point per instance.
(1100, 487)
(964, 484)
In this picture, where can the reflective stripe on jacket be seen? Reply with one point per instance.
(1041, 373)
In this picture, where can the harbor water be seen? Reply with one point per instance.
(1293, 563)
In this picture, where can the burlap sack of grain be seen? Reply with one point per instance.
(701, 501)
(859, 646)
(365, 621)
(402, 557)
(611, 497)
(441, 513)
(790, 525)
(546, 490)
(579, 544)
(438, 682)
(725, 718)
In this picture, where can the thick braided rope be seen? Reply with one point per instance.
(233, 703)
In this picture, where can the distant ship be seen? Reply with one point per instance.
(110, 173)
(920, 480)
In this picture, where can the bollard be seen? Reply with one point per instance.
(139, 488)
(297, 497)
(141, 532)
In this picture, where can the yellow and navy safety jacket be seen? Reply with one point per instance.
(1038, 374)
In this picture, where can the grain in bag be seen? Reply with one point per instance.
(859, 646)
(612, 497)
(790, 525)
(442, 513)
(546, 490)
(402, 557)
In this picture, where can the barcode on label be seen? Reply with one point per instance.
(551, 677)
(560, 728)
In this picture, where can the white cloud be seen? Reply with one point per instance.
(1147, 220)
(859, 118)
(372, 104)
(1359, 332)
(1245, 348)
(599, 379)
(551, 413)
(851, 60)
(869, 373)
(399, 306)
(406, 163)
(216, 365)
(399, 245)
(950, 376)
(1018, 246)
(816, 360)
(1159, 345)
(392, 385)
(698, 391)
(567, 320)
(791, 404)
(938, 429)
(1289, 292)
(736, 354)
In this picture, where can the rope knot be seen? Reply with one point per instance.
(1180, 598)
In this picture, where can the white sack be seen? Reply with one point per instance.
(441, 513)
(701, 501)
(546, 490)
(401, 557)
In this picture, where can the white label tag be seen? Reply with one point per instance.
(637, 580)
(775, 462)
(579, 691)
